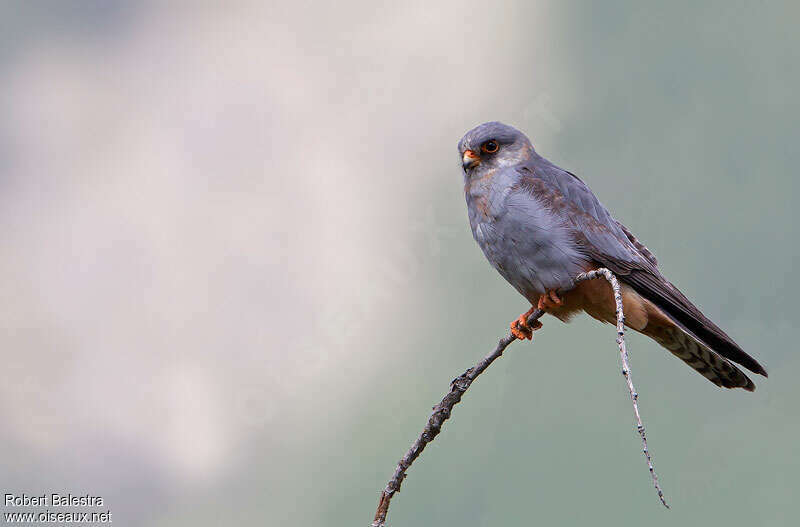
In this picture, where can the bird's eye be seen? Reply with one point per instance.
(490, 147)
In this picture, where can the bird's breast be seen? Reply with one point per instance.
(522, 239)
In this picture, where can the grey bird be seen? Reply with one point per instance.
(540, 226)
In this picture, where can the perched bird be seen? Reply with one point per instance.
(540, 226)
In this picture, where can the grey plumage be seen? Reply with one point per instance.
(540, 226)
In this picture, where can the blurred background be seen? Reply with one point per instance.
(237, 270)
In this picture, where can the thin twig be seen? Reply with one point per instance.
(626, 368)
(459, 385)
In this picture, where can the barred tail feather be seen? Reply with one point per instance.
(688, 318)
(709, 364)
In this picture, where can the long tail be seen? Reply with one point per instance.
(676, 324)
(705, 361)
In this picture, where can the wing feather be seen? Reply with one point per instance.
(612, 245)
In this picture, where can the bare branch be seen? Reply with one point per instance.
(626, 368)
(459, 385)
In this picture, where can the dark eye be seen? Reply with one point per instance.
(490, 147)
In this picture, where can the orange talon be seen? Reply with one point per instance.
(554, 297)
(548, 301)
(520, 327)
(520, 333)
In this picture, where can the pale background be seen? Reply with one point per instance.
(236, 271)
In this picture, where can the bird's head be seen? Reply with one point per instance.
(492, 145)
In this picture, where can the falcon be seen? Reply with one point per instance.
(540, 226)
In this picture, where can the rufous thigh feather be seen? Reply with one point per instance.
(596, 298)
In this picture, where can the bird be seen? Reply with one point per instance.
(540, 226)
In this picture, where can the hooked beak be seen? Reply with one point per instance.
(470, 159)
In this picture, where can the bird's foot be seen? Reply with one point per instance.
(520, 327)
(549, 301)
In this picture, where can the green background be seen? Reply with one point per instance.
(237, 270)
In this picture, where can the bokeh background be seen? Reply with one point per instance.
(236, 271)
